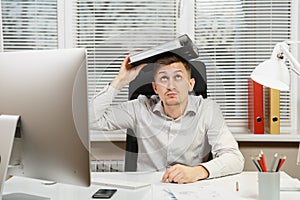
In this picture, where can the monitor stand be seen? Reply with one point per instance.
(8, 127)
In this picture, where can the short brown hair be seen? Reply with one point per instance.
(169, 58)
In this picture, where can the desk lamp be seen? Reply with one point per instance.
(274, 73)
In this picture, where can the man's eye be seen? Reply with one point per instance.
(178, 77)
(163, 78)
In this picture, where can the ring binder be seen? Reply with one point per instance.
(181, 46)
(255, 107)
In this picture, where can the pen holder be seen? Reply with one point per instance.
(269, 185)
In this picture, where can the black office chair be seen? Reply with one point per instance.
(143, 85)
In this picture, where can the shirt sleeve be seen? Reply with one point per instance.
(227, 157)
(105, 117)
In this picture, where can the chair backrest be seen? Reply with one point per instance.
(143, 85)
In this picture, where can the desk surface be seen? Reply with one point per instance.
(220, 188)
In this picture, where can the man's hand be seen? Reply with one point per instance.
(185, 174)
(126, 74)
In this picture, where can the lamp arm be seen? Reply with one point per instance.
(295, 66)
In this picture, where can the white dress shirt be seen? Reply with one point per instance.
(163, 141)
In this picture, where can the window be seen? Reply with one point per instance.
(235, 36)
(29, 24)
(232, 36)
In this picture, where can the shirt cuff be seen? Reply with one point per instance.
(112, 90)
(212, 168)
(108, 90)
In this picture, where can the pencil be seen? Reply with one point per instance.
(273, 162)
(260, 164)
(256, 164)
(280, 163)
(263, 161)
(260, 161)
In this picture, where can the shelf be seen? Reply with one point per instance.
(250, 137)
(117, 136)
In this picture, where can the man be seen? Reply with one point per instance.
(175, 130)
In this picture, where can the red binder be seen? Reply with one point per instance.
(255, 107)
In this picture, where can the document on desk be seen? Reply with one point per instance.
(169, 191)
(289, 184)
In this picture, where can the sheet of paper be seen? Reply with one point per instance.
(206, 192)
(191, 192)
(289, 184)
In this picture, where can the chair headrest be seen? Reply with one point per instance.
(143, 82)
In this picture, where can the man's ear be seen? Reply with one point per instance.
(192, 84)
(154, 87)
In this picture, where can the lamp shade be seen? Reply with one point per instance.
(272, 73)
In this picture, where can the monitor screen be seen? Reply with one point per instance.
(48, 90)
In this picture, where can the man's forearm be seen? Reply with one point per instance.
(126, 74)
(118, 84)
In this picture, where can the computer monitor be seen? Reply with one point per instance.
(48, 90)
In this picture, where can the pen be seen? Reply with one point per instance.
(237, 186)
(172, 196)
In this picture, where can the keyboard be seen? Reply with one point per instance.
(121, 183)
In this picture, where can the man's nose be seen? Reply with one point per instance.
(171, 84)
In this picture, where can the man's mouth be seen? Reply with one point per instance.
(171, 94)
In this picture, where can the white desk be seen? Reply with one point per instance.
(248, 188)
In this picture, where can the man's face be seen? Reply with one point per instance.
(172, 84)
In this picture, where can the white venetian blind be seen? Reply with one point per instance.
(109, 30)
(234, 36)
(29, 24)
